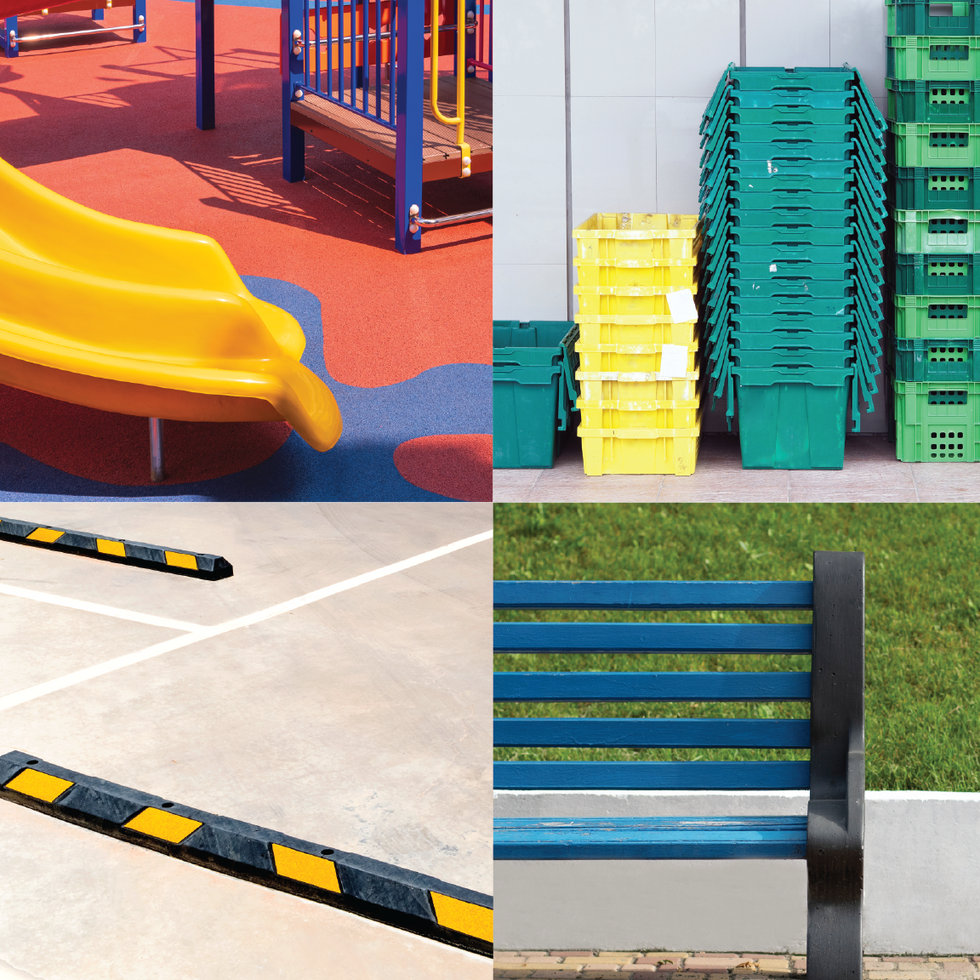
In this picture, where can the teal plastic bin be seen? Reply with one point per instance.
(533, 390)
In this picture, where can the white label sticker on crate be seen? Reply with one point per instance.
(681, 304)
(673, 362)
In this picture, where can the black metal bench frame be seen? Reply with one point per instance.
(834, 829)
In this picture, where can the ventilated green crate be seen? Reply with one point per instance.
(533, 393)
(936, 275)
(939, 361)
(624, 235)
(959, 18)
(929, 317)
(934, 58)
(916, 144)
(930, 232)
(935, 188)
(916, 100)
(937, 423)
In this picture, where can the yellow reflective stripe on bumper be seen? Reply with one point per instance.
(308, 868)
(180, 560)
(40, 785)
(474, 920)
(48, 534)
(166, 826)
(111, 547)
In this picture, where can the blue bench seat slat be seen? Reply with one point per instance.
(692, 685)
(638, 838)
(641, 733)
(653, 637)
(651, 775)
(653, 595)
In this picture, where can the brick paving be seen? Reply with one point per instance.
(564, 964)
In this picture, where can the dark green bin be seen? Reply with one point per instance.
(534, 392)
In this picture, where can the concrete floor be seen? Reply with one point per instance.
(360, 721)
(871, 474)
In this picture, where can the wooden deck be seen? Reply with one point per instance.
(374, 144)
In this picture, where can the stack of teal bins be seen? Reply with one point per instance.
(934, 165)
(792, 222)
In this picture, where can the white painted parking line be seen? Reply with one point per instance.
(204, 633)
(95, 607)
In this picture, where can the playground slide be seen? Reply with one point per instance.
(141, 320)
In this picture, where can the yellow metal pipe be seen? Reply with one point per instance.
(459, 121)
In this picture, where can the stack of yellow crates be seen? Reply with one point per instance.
(638, 371)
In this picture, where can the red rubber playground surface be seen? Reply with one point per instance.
(400, 340)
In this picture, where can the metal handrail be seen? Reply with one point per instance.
(15, 38)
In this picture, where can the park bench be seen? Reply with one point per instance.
(830, 837)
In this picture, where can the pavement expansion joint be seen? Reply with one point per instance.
(384, 892)
(178, 561)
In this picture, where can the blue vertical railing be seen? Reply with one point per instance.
(367, 56)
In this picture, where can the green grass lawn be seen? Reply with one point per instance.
(922, 674)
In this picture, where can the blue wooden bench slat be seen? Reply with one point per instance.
(652, 595)
(664, 838)
(652, 733)
(653, 637)
(651, 775)
(651, 686)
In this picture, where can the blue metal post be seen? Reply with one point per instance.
(10, 27)
(204, 32)
(470, 36)
(139, 10)
(409, 58)
(294, 18)
(98, 14)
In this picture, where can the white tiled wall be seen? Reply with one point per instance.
(640, 72)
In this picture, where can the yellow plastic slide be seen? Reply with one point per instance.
(132, 318)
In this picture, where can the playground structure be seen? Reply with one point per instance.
(174, 334)
(10, 10)
(353, 75)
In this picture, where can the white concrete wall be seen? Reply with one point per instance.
(640, 73)
(922, 865)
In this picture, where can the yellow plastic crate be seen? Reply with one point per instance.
(627, 300)
(635, 330)
(639, 415)
(634, 359)
(611, 387)
(636, 236)
(639, 450)
(675, 273)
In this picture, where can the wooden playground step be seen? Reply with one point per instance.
(374, 144)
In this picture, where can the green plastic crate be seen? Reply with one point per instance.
(960, 18)
(915, 100)
(930, 232)
(915, 144)
(937, 275)
(928, 317)
(935, 188)
(791, 425)
(533, 390)
(937, 423)
(936, 58)
(937, 360)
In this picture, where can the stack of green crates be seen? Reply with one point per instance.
(934, 160)
(792, 222)
(636, 418)
(533, 390)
